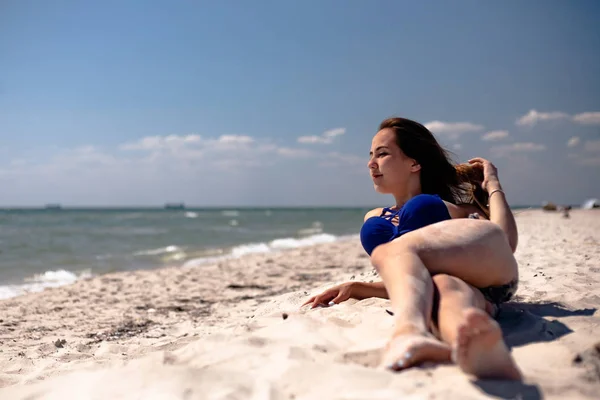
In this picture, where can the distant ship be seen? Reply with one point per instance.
(174, 206)
(53, 207)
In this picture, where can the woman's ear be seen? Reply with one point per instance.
(415, 166)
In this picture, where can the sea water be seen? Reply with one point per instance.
(41, 248)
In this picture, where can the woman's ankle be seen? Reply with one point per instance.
(409, 328)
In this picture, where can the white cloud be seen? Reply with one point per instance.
(182, 139)
(190, 154)
(452, 129)
(227, 151)
(592, 146)
(313, 139)
(147, 143)
(237, 139)
(533, 117)
(234, 144)
(457, 146)
(191, 147)
(523, 147)
(326, 138)
(334, 132)
(574, 141)
(161, 142)
(587, 118)
(217, 170)
(495, 135)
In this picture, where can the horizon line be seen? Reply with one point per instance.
(169, 206)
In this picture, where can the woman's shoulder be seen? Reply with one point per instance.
(373, 213)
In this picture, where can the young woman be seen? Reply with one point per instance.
(426, 239)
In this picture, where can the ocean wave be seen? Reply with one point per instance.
(290, 243)
(266, 247)
(168, 254)
(158, 251)
(39, 282)
(316, 228)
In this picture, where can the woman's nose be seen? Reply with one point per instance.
(371, 164)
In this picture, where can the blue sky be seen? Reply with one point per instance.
(275, 103)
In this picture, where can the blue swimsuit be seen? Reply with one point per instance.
(420, 211)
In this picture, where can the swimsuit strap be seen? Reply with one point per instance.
(393, 213)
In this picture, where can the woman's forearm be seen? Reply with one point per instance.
(364, 290)
(501, 214)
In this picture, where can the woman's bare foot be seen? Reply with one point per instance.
(480, 350)
(410, 349)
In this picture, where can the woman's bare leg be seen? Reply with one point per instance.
(455, 296)
(472, 250)
(417, 343)
(464, 322)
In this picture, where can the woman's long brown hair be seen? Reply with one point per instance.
(459, 184)
(471, 190)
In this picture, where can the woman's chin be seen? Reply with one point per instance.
(380, 189)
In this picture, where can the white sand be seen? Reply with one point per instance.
(216, 331)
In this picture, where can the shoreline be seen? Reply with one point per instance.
(62, 277)
(185, 325)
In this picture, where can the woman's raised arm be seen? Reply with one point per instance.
(500, 212)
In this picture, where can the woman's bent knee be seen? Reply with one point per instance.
(499, 233)
(393, 252)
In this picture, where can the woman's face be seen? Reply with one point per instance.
(389, 167)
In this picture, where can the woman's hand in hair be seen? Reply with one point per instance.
(490, 173)
(500, 212)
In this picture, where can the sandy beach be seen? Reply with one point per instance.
(235, 329)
